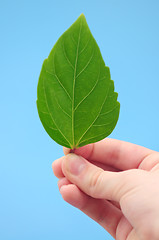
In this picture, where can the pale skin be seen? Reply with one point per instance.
(117, 186)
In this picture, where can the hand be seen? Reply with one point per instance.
(117, 186)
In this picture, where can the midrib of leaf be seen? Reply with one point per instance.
(95, 118)
(51, 115)
(74, 82)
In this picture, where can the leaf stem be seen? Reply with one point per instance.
(72, 150)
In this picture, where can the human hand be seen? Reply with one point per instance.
(117, 186)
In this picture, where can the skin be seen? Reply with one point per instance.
(117, 186)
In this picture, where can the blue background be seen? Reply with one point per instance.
(128, 35)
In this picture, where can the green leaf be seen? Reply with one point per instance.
(76, 101)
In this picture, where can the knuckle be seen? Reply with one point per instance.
(126, 183)
(95, 183)
(147, 233)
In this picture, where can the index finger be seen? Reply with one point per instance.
(119, 154)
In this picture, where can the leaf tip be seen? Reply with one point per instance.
(82, 16)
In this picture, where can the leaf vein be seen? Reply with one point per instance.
(109, 111)
(53, 128)
(65, 54)
(44, 112)
(88, 93)
(96, 136)
(73, 40)
(94, 119)
(85, 65)
(101, 125)
(85, 46)
(62, 108)
(52, 116)
(55, 75)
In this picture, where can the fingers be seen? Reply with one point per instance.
(98, 183)
(103, 212)
(57, 167)
(119, 154)
(63, 182)
(124, 228)
(151, 162)
(134, 236)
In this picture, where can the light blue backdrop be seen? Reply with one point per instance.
(128, 35)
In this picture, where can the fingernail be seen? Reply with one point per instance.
(75, 164)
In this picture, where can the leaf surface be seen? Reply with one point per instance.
(76, 101)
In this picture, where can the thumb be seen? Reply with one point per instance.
(96, 182)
